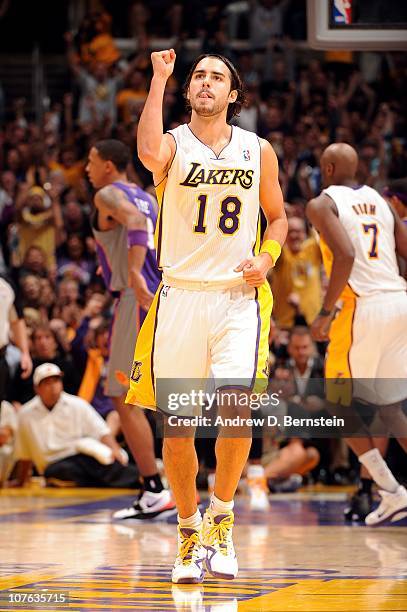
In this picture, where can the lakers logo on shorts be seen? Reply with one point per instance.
(339, 389)
(266, 369)
(136, 371)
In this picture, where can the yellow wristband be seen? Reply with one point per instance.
(273, 248)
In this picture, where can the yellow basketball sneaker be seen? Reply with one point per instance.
(189, 563)
(221, 559)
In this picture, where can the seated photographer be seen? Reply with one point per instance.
(69, 443)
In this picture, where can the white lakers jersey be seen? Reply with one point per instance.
(369, 224)
(209, 208)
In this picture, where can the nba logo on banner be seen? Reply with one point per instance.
(246, 154)
(342, 11)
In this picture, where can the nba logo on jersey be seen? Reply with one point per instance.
(246, 154)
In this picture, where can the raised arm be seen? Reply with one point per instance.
(156, 149)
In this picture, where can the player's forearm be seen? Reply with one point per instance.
(273, 240)
(341, 269)
(277, 230)
(136, 257)
(20, 336)
(150, 131)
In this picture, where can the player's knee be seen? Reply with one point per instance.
(126, 411)
(178, 445)
(235, 412)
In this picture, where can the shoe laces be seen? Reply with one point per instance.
(189, 546)
(220, 534)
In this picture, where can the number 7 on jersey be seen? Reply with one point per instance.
(372, 227)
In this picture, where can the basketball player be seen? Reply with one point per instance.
(213, 313)
(123, 226)
(359, 238)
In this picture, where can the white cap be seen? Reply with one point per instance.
(45, 370)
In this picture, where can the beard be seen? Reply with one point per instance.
(207, 107)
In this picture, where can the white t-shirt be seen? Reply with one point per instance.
(8, 418)
(45, 436)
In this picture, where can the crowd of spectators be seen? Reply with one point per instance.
(297, 99)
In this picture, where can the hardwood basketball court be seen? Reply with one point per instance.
(299, 556)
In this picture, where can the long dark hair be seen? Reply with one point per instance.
(236, 83)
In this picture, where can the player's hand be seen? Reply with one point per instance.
(163, 63)
(255, 269)
(26, 365)
(320, 328)
(143, 295)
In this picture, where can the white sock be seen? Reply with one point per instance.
(217, 506)
(211, 480)
(191, 522)
(379, 471)
(255, 470)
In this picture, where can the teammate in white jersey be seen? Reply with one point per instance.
(213, 313)
(364, 315)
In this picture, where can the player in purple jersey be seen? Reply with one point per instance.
(123, 225)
